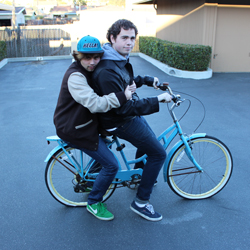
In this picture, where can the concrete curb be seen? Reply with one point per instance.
(164, 67)
(29, 59)
(3, 62)
(177, 72)
(40, 58)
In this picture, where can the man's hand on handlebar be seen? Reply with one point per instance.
(156, 83)
(165, 97)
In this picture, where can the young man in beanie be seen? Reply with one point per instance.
(76, 120)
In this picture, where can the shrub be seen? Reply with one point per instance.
(177, 55)
(3, 49)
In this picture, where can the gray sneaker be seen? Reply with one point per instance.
(147, 212)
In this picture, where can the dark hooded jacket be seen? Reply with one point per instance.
(113, 74)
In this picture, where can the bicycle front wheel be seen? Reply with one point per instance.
(64, 182)
(214, 158)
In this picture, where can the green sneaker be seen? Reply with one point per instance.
(99, 210)
(88, 189)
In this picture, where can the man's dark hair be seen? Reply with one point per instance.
(78, 56)
(116, 27)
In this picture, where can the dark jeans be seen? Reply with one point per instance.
(110, 167)
(139, 134)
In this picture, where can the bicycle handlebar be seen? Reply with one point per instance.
(175, 98)
(177, 101)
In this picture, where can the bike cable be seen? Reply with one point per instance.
(204, 109)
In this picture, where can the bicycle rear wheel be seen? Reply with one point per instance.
(63, 181)
(216, 161)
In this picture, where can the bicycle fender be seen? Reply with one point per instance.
(53, 151)
(173, 149)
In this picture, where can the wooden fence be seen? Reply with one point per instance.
(33, 41)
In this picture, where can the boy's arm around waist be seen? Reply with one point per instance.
(112, 82)
(85, 95)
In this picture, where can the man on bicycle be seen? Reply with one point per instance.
(113, 74)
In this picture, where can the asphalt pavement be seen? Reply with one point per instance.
(31, 219)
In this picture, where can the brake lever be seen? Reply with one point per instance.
(163, 87)
(175, 98)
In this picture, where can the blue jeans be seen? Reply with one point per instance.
(110, 167)
(139, 134)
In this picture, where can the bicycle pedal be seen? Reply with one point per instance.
(120, 147)
(82, 189)
(132, 185)
(136, 179)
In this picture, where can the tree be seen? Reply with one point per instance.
(81, 2)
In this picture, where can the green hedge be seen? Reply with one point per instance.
(177, 55)
(2, 50)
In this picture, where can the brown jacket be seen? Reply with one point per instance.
(74, 118)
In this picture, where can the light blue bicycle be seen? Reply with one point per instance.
(198, 166)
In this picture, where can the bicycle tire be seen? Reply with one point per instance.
(60, 180)
(216, 161)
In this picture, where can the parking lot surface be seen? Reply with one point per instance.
(31, 219)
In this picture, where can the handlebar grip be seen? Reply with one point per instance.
(174, 98)
(162, 87)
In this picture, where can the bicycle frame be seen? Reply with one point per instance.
(126, 174)
(176, 128)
